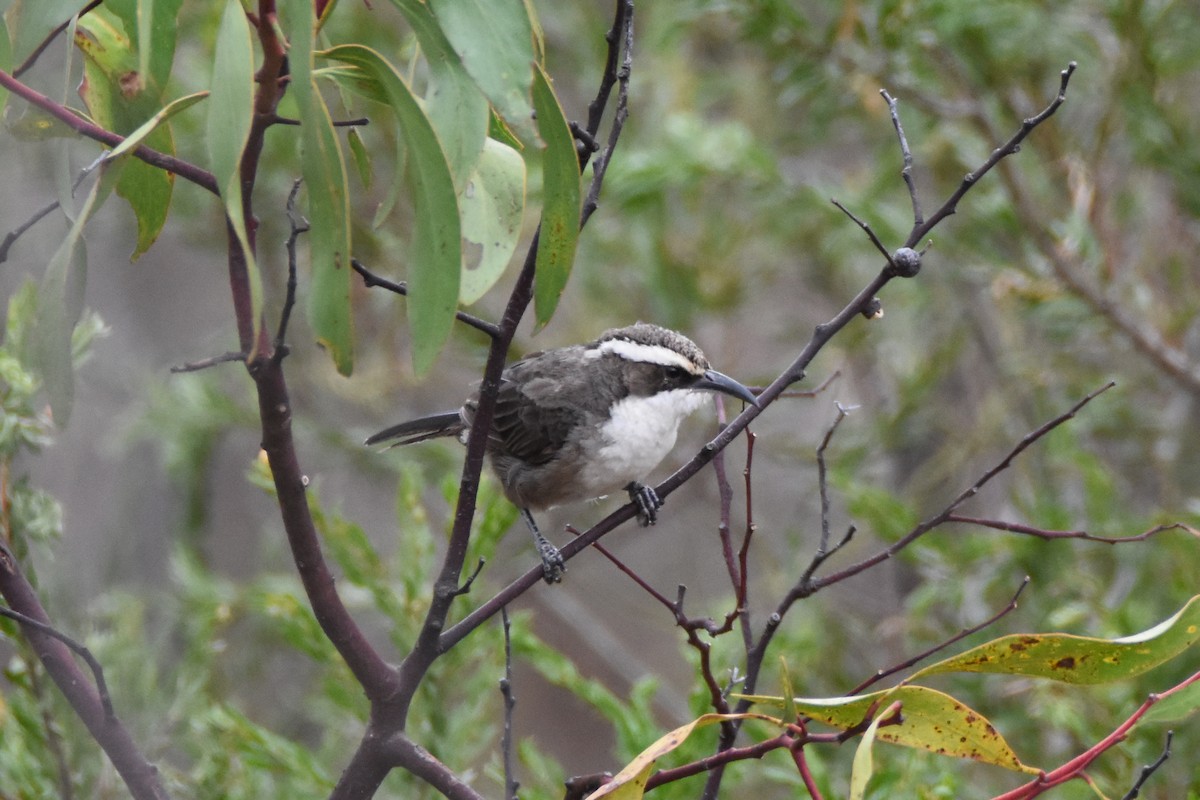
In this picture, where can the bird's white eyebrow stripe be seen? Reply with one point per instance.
(644, 353)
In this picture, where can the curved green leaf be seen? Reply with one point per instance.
(1079, 659)
(230, 109)
(5, 61)
(171, 109)
(122, 97)
(933, 721)
(436, 257)
(60, 302)
(493, 205)
(325, 179)
(453, 103)
(31, 21)
(864, 764)
(559, 230)
(494, 40)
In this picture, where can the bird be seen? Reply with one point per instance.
(581, 422)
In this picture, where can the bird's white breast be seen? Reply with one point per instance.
(637, 436)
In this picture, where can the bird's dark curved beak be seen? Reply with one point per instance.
(714, 381)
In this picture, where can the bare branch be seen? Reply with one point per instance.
(964, 633)
(906, 154)
(921, 229)
(1150, 769)
(1044, 533)
(79, 649)
(370, 280)
(184, 169)
(510, 701)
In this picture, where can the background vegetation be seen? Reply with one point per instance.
(146, 521)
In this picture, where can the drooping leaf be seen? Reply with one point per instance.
(325, 179)
(435, 260)
(453, 103)
(561, 206)
(31, 22)
(493, 205)
(630, 782)
(933, 721)
(230, 110)
(864, 762)
(121, 97)
(1079, 659)
(361, 156)
(61, 302)
(5, 61)
(494, 40)
(152, 27)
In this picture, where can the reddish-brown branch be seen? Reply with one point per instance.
(1045, 533)
(184, 169)
(1075, 767)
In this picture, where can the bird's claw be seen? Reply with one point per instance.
(553, 565)
(647, 501)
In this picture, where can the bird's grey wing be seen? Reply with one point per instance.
(543, 398)
(524, 429)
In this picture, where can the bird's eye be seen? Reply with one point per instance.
(674, 373)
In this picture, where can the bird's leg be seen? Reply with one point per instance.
(647, 501)
(553, 565)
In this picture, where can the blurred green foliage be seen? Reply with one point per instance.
(746, 117)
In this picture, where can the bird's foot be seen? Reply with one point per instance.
(553, 565)
(647, 501)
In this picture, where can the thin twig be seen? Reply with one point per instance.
(510, 701)
(1044, 533)
(906, 154)
(184, 169)
(921, 229)
(76, 647)
(337, 123)
(212, 361)
(866, 229)
(964, 633)
(942, 516)
(1150, 769)
(371, 280)
(620, 41)
(298, 225)
(41, 213)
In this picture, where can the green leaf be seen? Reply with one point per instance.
(493, 205)
(5, 61)
(31, 21)
(494, 40)
(61, 303)
(153, 28)
(933, 721)
(230, 110)
(559, 229)
(120, 99)
(361, 156)
(325, 179)
(864, 766)
(453, 103)
(133, 140)
(435, 261)
(1079, 659)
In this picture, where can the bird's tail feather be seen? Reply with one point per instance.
(418, 430)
